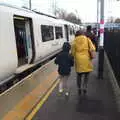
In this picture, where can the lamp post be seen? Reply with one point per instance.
(97, 12)
(54, 7)
(101, 42)
(30, 4)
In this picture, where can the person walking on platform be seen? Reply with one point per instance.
(83, 51)
(64, 61)
(91, 35)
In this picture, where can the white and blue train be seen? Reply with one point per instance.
(27, 38)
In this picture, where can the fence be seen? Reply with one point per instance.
(112, 48)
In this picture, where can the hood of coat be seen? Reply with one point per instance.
(80, 39)
(66, 47)
(81, 43)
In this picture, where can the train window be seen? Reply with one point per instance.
(47, 33)
(71, 31)
(58, 32)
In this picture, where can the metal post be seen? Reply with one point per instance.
(97, 12)
(97, 16)
(101, 43)
(54, 7)
(30, 4)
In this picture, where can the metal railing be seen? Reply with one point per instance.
(112, 48)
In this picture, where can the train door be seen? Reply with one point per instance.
(66, 32)
(23, 34)
(28, 41)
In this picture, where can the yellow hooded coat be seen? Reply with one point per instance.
(80, 50)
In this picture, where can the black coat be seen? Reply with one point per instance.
(92, 37)
(65, 62)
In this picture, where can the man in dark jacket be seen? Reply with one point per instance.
(64, 61)
(91, 35)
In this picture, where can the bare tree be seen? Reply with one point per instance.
(73, 18)
(117, 20)
(110, 20)
(61, 13)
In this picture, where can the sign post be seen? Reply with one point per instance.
(101, 43)
(30, 4)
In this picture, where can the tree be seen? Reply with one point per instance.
(110, 20)
(62, 14)
(117, 20)
(73, 18)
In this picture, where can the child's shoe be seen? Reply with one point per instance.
(67, 94)
(61, 90)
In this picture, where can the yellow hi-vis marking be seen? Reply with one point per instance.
(31, 115)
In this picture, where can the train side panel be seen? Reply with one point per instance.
(43, 49)
(8, 53)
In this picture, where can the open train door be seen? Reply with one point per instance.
(66, 32)
(28, 40)
(24, 40)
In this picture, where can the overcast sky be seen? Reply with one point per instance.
(85, 9)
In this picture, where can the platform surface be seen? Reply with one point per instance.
(98, 104)
(18, 101)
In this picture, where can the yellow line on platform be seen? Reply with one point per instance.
(24, 107)
(39, 105)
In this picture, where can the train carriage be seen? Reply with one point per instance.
(27, 38)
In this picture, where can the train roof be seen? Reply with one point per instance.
(14, 7)
(68, 23)
(32, 13)
(23, 11)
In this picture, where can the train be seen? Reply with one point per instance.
(28, 38)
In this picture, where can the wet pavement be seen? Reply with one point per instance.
(97, 104)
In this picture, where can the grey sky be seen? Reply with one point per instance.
(85, 9)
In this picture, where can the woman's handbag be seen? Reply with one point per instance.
(92, 53)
